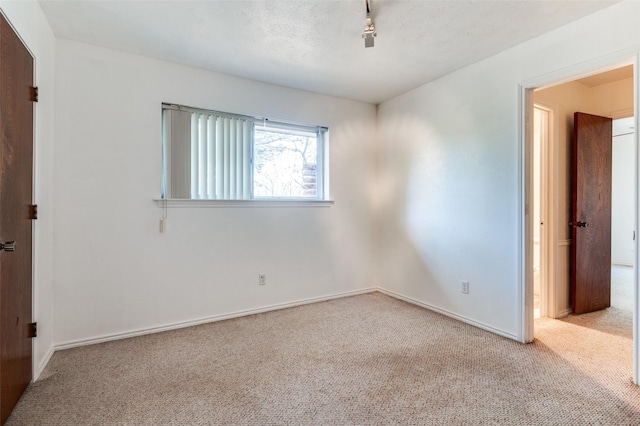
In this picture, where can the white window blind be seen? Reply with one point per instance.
(210, 155)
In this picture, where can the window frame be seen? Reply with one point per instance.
(322, 173)
(321, 136)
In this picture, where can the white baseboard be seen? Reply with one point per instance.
(214, 318)
(564, 313)
(622, 264)
(450, 314)
(43, 363)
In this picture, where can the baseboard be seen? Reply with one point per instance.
(43, 363)
(206, 320)
(450, 314)
(622, 264)
(564, 313)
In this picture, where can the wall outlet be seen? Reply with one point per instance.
(464, 287)
(262, 279)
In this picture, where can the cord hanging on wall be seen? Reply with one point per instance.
(369, 29)
(163, 221)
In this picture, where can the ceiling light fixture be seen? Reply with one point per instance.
(369, 30)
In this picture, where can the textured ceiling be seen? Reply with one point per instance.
(316, 45)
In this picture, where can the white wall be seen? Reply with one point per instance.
(449, 173)
(622, 223)
(29, 21)
(115, 273)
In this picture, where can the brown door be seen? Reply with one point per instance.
(591, 214)
(16, 172)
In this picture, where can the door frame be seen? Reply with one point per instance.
(525, 193)
(548, 212)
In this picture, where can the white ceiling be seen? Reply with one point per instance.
(316, 45)
(608, 76)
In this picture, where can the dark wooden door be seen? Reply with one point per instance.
(591, 213)
(16, 174)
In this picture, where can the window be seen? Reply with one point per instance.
(210, 155)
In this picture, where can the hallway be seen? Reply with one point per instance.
(598, 344)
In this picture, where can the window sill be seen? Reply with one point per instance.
(184, 203)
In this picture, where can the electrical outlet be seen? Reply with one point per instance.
(465, 287)
(262, 279)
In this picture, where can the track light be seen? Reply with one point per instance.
(369, 29)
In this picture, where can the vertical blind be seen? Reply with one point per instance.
(210, 155)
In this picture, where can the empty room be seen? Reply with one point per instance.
(319, 212)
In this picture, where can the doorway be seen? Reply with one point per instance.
(549, 110)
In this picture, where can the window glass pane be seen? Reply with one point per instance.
(285, 163)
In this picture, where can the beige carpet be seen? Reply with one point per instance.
(361, 360)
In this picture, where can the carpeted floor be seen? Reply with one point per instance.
(364, 360)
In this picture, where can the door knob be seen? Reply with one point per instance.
(8, 246)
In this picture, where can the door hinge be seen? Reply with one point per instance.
(33, 330)
(34, 94)
(33, 211)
